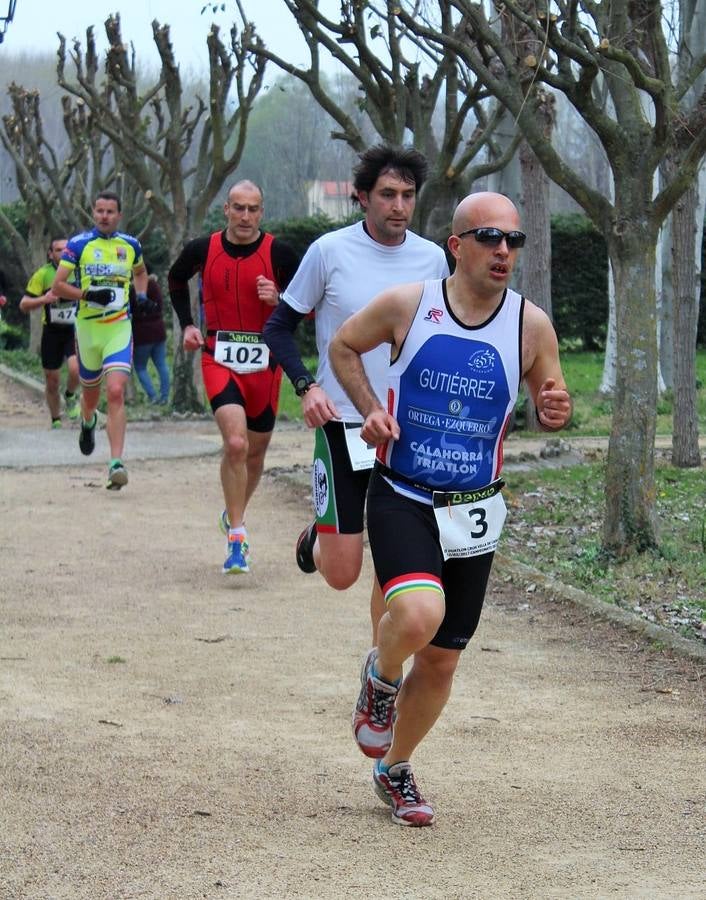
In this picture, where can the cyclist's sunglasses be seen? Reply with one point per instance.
(493, 236)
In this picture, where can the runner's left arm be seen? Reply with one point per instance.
(543, 375)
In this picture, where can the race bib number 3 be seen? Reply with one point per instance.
(470, 522)
(63, 315)
(360, 454)
(242, 351)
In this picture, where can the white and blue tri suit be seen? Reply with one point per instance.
(452, 388)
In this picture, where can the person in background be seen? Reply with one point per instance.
(58, 343)
(341, 272)
(242, 269)
(102, 262)
(149, 340)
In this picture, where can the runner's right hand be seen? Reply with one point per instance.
(192, 338)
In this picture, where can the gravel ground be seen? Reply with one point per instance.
(167, 732)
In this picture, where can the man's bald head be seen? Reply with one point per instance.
(486, 208)
(245, 185)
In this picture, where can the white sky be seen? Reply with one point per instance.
(37, 22)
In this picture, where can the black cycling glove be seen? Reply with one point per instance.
(100, 295)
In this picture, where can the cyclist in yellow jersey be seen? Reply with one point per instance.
(103, 261)
(58, 341)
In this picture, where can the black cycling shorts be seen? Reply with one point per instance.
(57, 345)
(337, 489)
(404, 540)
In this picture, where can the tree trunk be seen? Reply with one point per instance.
(37, 246)
(434, 209)
(187, 384)
(666, 306)
(607, 386)
(536, 282)
(630, 522)
(35, 331)
(186, 375)
(685, 439)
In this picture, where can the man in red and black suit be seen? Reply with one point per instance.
(243, 270)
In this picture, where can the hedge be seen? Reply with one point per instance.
(579, 274)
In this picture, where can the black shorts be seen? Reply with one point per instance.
(404, 540)
(257, 392)
(338, 490)
(58, 344)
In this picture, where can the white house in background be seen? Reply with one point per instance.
(332, 198)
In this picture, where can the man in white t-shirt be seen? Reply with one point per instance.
(339, 274)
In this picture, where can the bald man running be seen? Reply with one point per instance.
(460, 347)
(242, 269)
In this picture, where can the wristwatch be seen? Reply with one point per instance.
(302, 384)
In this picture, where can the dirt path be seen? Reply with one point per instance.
(166, 732)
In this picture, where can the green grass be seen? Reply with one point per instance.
(593, 413)
(555, 524)
(23, 361)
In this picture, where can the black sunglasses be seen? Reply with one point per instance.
(493, 236)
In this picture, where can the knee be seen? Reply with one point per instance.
(437, 667)
(418, 617)
(51, 380)
(256, 458)
(115, 393)
(340, 579)
(340, 573)
(235, 448)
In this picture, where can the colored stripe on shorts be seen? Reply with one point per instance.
(412, 581)
(118, 366)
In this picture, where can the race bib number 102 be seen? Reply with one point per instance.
(242, 351)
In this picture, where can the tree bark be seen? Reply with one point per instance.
(630, 521)
(536, 272)
(186, 374)
(685, 438)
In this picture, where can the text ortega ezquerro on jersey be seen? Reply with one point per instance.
(452, 390)
(105, 260)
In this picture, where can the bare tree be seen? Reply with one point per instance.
(56, 190)
(152, 131)
(402, 82)
(621, 44)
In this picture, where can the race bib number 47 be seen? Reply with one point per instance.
(242, 351)
(470, 522)
(63, 314)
